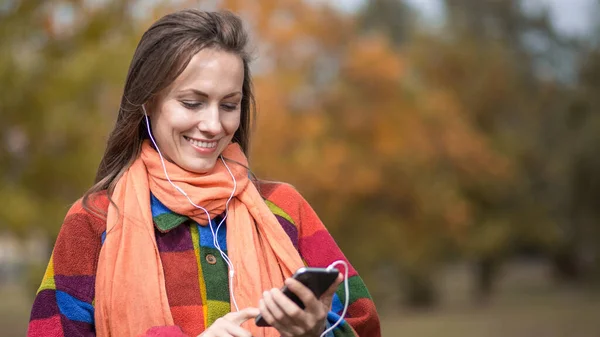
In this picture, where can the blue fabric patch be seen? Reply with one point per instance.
(332, 318)
(103, 237)
(327, 326)
(74, 309)
(206, 236)
(336, 305)
(157, 207)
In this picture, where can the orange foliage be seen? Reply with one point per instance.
(366, 135)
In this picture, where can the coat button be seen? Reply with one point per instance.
(211, 259)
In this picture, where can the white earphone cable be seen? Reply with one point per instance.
(346, 297)
(216, 232)
(210, 222)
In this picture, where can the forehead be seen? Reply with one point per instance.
(212, 71)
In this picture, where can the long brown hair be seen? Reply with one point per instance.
(162, 54)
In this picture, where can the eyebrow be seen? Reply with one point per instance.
(203, 94)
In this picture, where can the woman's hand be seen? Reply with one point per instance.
(229, 325)
(291, 321)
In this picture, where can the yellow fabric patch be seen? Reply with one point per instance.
(48, 280)
(216, 310)
(196, 243)
(278, 211)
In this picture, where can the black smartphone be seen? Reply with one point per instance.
(318, 280)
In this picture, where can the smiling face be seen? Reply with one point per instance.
(195, 118)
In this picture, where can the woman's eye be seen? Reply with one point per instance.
(191, 105)
(229, 107)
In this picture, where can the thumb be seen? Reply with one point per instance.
(241, 316)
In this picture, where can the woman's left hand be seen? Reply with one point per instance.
(291, 321)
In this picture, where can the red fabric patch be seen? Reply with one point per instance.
(47, 327)
(320, 250)
(190, 318)
(362, 316)
(181, 278)
(286, 197)
(78, 245)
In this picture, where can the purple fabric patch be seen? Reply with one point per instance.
(178, 239)
(289, 229)
(82, 287)
(76, 328)
(44, 305)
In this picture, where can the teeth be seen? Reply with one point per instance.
(202, 144)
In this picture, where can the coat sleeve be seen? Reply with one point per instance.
(318, 249)
(64, 303)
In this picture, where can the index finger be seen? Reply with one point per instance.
(243, 315)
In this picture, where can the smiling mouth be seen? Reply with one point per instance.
(202, 144)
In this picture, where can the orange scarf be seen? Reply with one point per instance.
(130, 286)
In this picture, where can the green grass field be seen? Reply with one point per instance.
(551, 315)
(14, 311)
(526, 305)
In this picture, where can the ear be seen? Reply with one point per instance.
(148, 106)
(144, 110)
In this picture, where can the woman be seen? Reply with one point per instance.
(175, 238)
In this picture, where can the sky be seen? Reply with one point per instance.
(570, 17)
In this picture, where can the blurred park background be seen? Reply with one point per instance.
(452, 147)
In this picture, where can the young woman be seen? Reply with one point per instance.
(175, 238)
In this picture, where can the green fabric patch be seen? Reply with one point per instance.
(167, 221)
(215, 275)
(357, 287)
(343, 330)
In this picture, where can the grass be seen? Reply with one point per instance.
(15, 307)
(551, 315)
(526, 305)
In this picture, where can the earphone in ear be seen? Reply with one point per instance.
(210, 223)
(215, 232)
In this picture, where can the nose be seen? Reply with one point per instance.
(210, 121)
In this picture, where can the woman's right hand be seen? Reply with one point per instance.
(229, 325)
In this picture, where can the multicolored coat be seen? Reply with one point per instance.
(195, 272)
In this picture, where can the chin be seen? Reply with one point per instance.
(201, 168)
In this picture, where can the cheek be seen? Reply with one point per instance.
(173, 119)
(231, 123)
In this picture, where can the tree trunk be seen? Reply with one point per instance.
(419, 291)
(486, 273)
